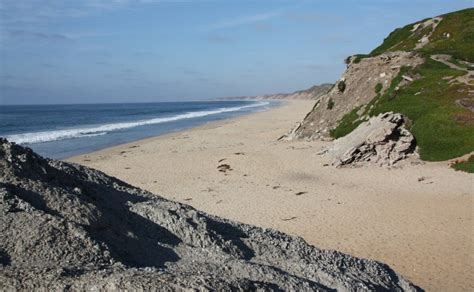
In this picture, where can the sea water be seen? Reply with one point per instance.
(61, 131)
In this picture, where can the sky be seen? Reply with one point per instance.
(102, 51)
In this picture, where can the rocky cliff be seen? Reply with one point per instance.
(359, 82)
(65, 226)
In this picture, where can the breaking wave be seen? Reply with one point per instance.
(54, 135)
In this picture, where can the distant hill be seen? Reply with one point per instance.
(313, 92)
(424, 71)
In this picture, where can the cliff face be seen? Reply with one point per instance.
(424, 71)
(65, 226)
(360, 80)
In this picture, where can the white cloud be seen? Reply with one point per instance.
(242, 20)
(34, 11)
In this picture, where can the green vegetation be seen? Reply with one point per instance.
(351, 120)
(359, 57)
(443, 129)
(378, 88)
(330, 104)
(341, 85)
(459, 25)
(461, 64)
(348, 123)
(395, 39)
(467, 166)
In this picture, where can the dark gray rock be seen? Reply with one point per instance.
(65, 226)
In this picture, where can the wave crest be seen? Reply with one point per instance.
(47, 136)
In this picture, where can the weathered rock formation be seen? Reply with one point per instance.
(65, 226)
(360, 80)
(383, 140)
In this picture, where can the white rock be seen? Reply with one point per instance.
(382, 140)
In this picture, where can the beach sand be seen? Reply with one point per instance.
(418, 219)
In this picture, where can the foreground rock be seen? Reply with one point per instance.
(65, 226)
(383, 140)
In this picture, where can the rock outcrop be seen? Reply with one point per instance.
(65, 226)
(360, 80)
(382, 140)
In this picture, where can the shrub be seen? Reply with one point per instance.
(341, 85)
(330, 104)
(378, 88)
(467, 166)
(359, 57)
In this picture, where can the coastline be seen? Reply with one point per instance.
(417, 219)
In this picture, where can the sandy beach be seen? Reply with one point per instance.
(418, 219)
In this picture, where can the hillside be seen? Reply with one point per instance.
(423, 71)
(314, 92)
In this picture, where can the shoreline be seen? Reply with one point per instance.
(417, 219)
(280, 103)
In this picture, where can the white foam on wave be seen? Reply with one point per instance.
(47, 136)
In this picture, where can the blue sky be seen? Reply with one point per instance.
(151, 50)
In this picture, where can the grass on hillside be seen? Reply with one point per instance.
(459, 25)
(348, 123)
(401, 39)
(467, 166)
(352, 120)
(443, 130)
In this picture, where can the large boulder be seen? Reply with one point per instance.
(382, 140)
(65, 226)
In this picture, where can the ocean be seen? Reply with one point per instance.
(62, 131)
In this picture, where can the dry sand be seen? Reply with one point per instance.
(418, 219)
